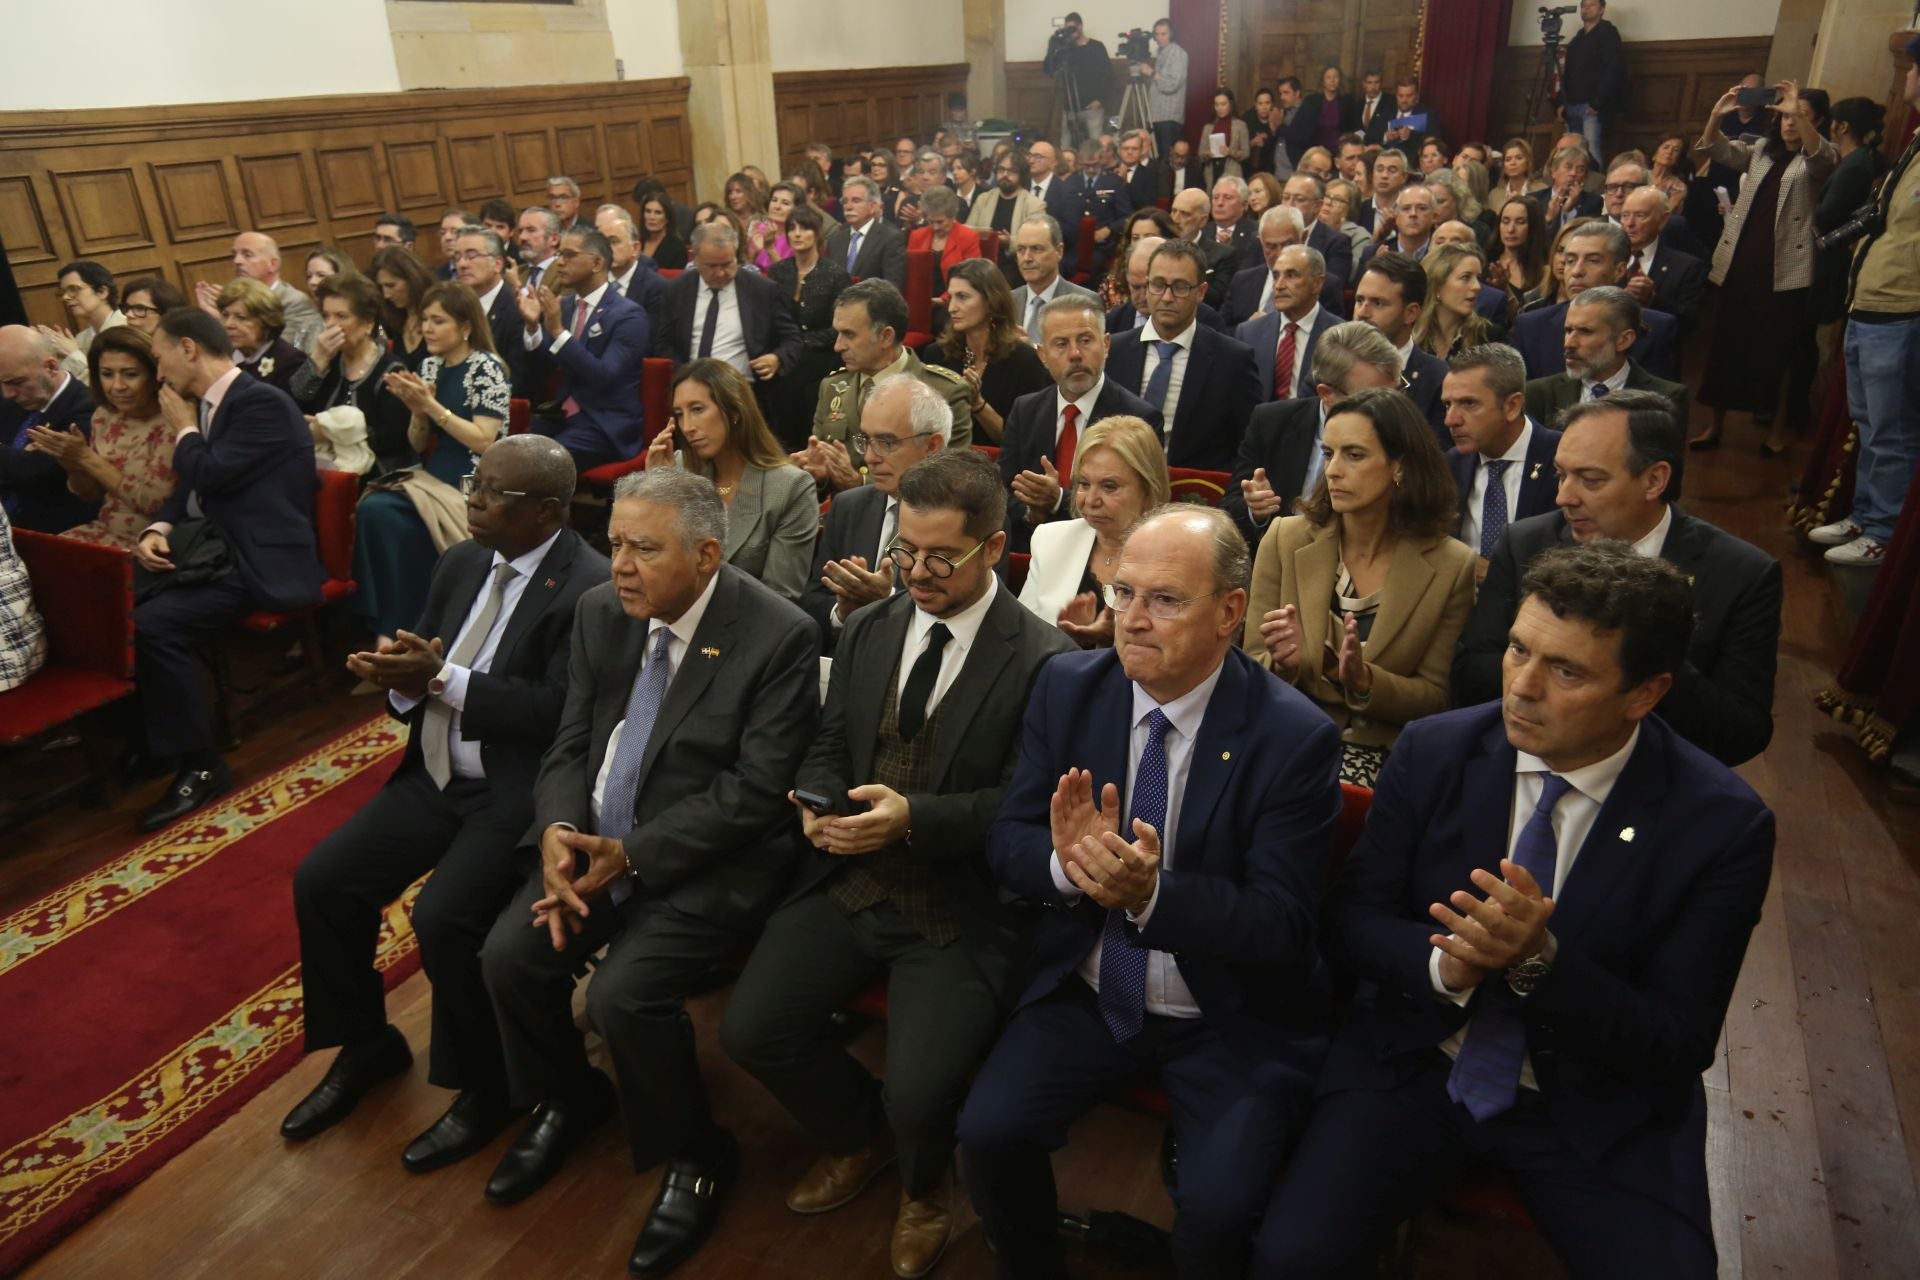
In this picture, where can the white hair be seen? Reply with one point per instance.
(1285, 213)
(927, 410)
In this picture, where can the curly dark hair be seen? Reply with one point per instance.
(1644, 599)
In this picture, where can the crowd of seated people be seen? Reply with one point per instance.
(1448, 563)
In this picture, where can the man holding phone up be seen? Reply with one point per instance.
(919, 735)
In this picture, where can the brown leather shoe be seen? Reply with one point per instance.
(835, 1180)
(921, 1231)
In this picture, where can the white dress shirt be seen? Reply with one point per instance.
(683, 628)
(1617, 381)
(729, 335)
(1167, 992)
(1654, 540)
(1041, 188)
(1406, 354)
(486, 299)
(964, 628)
(565, 335)
(463, 755)
(1300, 365)
(1588, 789)
(1175, 380)
(1477, 498)
(1647, 255)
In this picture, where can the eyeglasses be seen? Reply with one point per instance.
(136, 310)
(471, 255)
(938, 566)
(470, 485)
(881, 446)
(1178, 288)
(1160, 604)
(1622, 188)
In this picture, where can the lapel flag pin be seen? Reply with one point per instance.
(552, 583)
(709, 652)
(1626, 833)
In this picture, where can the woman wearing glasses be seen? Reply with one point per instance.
(772, 512)
(1359, 599)
(147, 299)
(458, 403)
(1119, 474)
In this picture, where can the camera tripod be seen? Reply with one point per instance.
(1546, 79)
(1134, 112)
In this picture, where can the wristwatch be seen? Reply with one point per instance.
(1524, 975)
(438, 685)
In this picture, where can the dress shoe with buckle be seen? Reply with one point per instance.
(837, 1180)
(474, 1120)
(685, 1210)
(355, 1070)
(191, 789)
(921, 1231)
(556, 1127)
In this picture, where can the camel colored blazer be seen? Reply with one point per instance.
(1428, 594)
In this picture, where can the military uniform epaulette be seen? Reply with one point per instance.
(942, 371)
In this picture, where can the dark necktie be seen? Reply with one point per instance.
(1123, 958)
(920, 682)
(1156, 392)
(712, 326)
(11, 498)
(1493, 508)
(1599, 391)
(1283, 363)
(1486, 1076)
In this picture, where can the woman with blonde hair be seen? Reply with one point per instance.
(254, 319)
(1516, 169)
(1448, 323)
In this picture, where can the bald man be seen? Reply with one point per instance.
(39, 392)
(257, 256)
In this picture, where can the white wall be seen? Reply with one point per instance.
(230, 51)
(1028, 25)
(827, 35)
(1659, 20)
(646, 36)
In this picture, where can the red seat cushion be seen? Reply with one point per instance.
(872, 1002)
(263, 621)
(1489, 1197)
(55, 695)
(604, 475)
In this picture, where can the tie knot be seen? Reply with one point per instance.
(1552, 787)
(503, 573)
(1157, 726)
(937, 637)
(1293, 327)
(662, 637)
(1599, 391)
(1498, 467)
(1071, 415)
(1166, 349)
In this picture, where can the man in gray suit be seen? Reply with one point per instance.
(257, 256)
(1037, 250)
(663, 833)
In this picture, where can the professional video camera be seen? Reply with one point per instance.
(1136, 45)
(1552, 22)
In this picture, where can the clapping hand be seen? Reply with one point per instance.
(1263, 504)
(1072, 816)
(59, 337)
(206, 296)
(1356, 676)
(829, 461)
(1117, 874)
(411, 391)
(854, 586)
(1280, 632)
(1039, 491)
(1489, 934)
(65, 445)
(530, 310)
(1086, 621)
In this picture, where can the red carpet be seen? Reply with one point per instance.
(144, 1002)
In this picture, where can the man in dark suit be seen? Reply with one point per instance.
(596, 339)
(1304, 192)
(1387, 177)
(479, 686)
(1048, 188)
(1202, 383)
(1372, 109)
(1283, 339)
(1621, 458)
(1659, 276)
(1279, 460)
(1180, 939)
(39, 393)
(1191, 214)
(1602, 326)
(243, 467)
(1502, 457)
(1568, 199)
(1138, 308)
(1100, 194)
(1390, 294)
(664, 834)
(480, 263)
(1423, 120)
(634, 274)
(1043, 428)
(1595, 254)
(920, 731)
(1179, 171)
(1230, 226)
(1250, 291)
(867, 245)
(1142, 183)
(715, 309)
(1546, 915)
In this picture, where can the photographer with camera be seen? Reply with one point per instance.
(1084, 72)
(1594, 81)
(1167, 94)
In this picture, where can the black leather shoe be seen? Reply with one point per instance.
(191, 789)
(684, 1212)
(542, 1147)
(355, 1070)
(474, 1120)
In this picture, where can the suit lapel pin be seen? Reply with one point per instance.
(1226, 755)
(1626, 834)
(1535, 473)
(552, 583)
(709, 652)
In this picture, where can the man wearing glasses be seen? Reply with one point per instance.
(1176, 807)
(919, 733)
(1008, 204)
(595, 341)
(479, 261)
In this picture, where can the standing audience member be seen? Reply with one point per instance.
(254, 322)
(1086, 71)
(257, 257)
(1224, 145)
(868, 246)
(87, 291)
(23, 636)
(145, 300)
(1855, 128)
(1593, 83)
(39, 393)
(404, 282)
(347, 371)
(594, 341)
(982, 343)
(126, 459)
(1658, 275)
(810, 282)
(1167, 95)
(1502, 454)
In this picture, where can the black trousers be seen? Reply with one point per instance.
(409, 828)
(944, 1006)
(166, 628)
(655, 957)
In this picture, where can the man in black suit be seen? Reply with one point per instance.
(1551, 1021)
(1621, 460)
(1250, 292)
(1179, 171)
(867, 245)
(1201, 382)
(479, 686)
(1568, 199)
(1048, 187)
(715, 309)
(1282, 340)
(1602, 326)
(1658, 275)
(1305, 192)
(1390, 294)
(1043, 427)
(1387, 178)
(1407, 105)
(1372, 109)
(1279, 460)
(632, 273)
(663, 833)
(1502, 458)
(1143, 185)
(563, 198)
(1230, 226)
(1594, 254)
(242, 498)
(1138, 308)
(1191, 215)
(39, 393)
(480, 263)
(919, 733)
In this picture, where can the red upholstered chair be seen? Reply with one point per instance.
(519, 416)
(991, 450)
(1191, 485)
(1018, 565)
(671, 273)
(920, 290)
(1083, 252)
(656, 403)
(990, 246)
(85, 597)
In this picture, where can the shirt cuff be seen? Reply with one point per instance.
(1440, 988)
(455, 694)
(401, 703)
(1067, 888)
(184, 432)
(559, 341)
(1140, 921)
(161, 527)
(531, 341)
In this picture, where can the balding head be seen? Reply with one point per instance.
(523, 486)
(1455, 232)
(29, 367)
(1190, 211)
(257, 257)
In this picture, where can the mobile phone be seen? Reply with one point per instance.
(823, 806)
(1752, 98)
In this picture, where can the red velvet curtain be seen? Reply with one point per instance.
(1459, 63)
(1196, 27)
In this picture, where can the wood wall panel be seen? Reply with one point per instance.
(848, 111)
(311, 172)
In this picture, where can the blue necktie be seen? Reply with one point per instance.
(1486, 1076)
(853, 249)
(623, 776)
(1493, 508)
(1156, 394)
(1599, 391)
(1123, 958)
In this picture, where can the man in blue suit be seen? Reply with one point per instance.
(1179, 942)
(597, 340)
(238, 530)
(1100, 194)
(1501, 459)
(1595, 254)
(1284, 338)
(1546, 917)
(1390, 295)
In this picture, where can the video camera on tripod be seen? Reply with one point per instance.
(1136, 45)
(1553, 22)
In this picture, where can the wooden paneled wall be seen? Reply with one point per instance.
(848, 109)
(165, 190)
(1030, 95)
(1299, 37)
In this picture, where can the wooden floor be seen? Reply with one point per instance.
(1815, 1100)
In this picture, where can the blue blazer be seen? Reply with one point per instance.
(253, 470)
(1263, 335)
(1652, 926)
(1539, 336)
(1217, 395)
(1238, 906)
(601, 373)
(1424, 374)
(1538, 480)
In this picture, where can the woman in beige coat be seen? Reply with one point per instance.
(1358, 600)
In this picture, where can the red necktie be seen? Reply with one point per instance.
(1069, 438)
(1283, 364)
